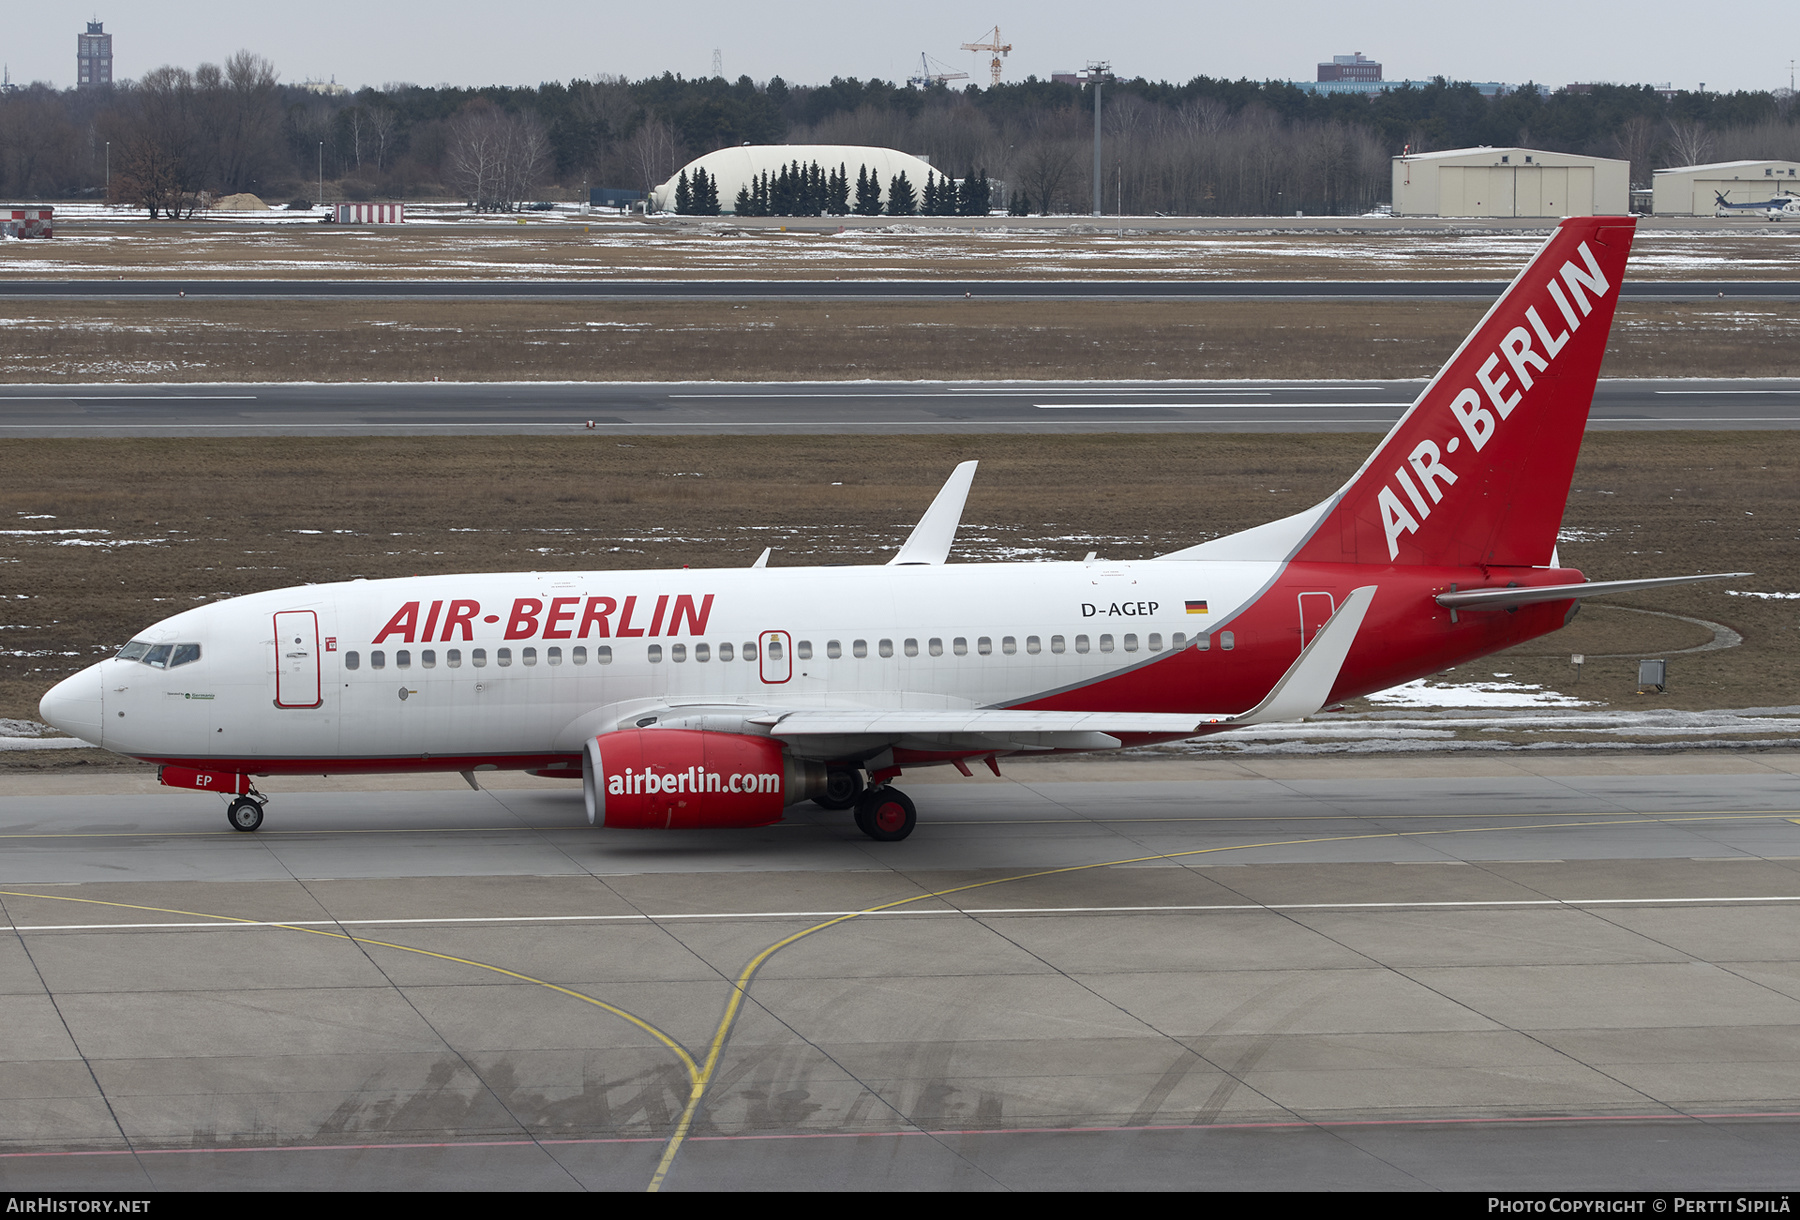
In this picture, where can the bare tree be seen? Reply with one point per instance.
(652, 151)
(159, 169)
(496, 157)
(1689, 142)
(1637, 141)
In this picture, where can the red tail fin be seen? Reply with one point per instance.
(1478, 471)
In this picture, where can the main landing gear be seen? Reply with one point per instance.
(246, 813)
(885, 814)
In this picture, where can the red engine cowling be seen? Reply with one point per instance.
(687, 779)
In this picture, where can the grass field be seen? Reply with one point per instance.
(191, 340)
(813, 250)
(105, 537)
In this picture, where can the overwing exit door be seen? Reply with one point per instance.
(773, 649)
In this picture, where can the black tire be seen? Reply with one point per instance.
(244, 814)
(886, 814)
(843, 787)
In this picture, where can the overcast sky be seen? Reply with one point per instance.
(1553, 42)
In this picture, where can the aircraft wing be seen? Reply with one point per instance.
(1302, 690)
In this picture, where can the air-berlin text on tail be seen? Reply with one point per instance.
(557, 618)
(1428, 476)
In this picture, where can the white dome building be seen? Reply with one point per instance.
(735, 168)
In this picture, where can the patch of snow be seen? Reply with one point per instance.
(1426, 693)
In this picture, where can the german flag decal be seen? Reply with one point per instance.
(1198, 607)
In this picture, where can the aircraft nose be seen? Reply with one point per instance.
(73, 705)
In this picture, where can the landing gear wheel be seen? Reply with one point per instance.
(843, 785)
(885, 814)
(244, 814)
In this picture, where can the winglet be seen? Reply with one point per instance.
(929, 543)
(1307, 684)
(762, 560)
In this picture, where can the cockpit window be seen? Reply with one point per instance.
(159, 656)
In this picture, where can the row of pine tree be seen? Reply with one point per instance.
(811, 190)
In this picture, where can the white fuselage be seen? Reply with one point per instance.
(527, 664)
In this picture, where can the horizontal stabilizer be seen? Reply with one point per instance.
(1500, 598)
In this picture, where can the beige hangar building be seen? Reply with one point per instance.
(1510, 182)
(1694, 190)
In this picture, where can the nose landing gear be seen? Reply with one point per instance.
(246, 812)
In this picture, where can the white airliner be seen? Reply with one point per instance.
(717, 698)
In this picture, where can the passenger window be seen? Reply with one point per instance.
(804, 648)
(937, 648)
(528, 655)
(678, 652)
(960, 646)
(702, 652)
(503, 656)
(887, 648)
(985, 646)
(453, 658)
(403, 659)
(352, 661)
(377, 659)
(749, 651)
(1155, 642)
(1081, 643)
(1130, 643)
(553, 656)
(774, 650)
(912, 648)
(428, 658)
(1227, 641)
(655, 653)
(1009, 646)
(478, 657)
(1056, 644)
(578, 656)
(603, 655)
(1033, 645)
(724, 652)
(1106, 643)
(1204, 642)
(859, 648)
(833, 649)
(158, 657)
(183, 654)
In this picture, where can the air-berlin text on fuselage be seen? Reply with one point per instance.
(639, 783)
(1477, 421)
(557, 618)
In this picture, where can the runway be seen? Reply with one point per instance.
(530, 408)
(1573, 974)
(567, 288)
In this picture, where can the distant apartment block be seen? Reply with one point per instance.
(1350, 67)
(93, 57)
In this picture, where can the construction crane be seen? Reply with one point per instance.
(927, 78)
(995, 47)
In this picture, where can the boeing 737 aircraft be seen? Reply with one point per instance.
(717, 698)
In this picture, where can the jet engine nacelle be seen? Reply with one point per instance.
(687, 779)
